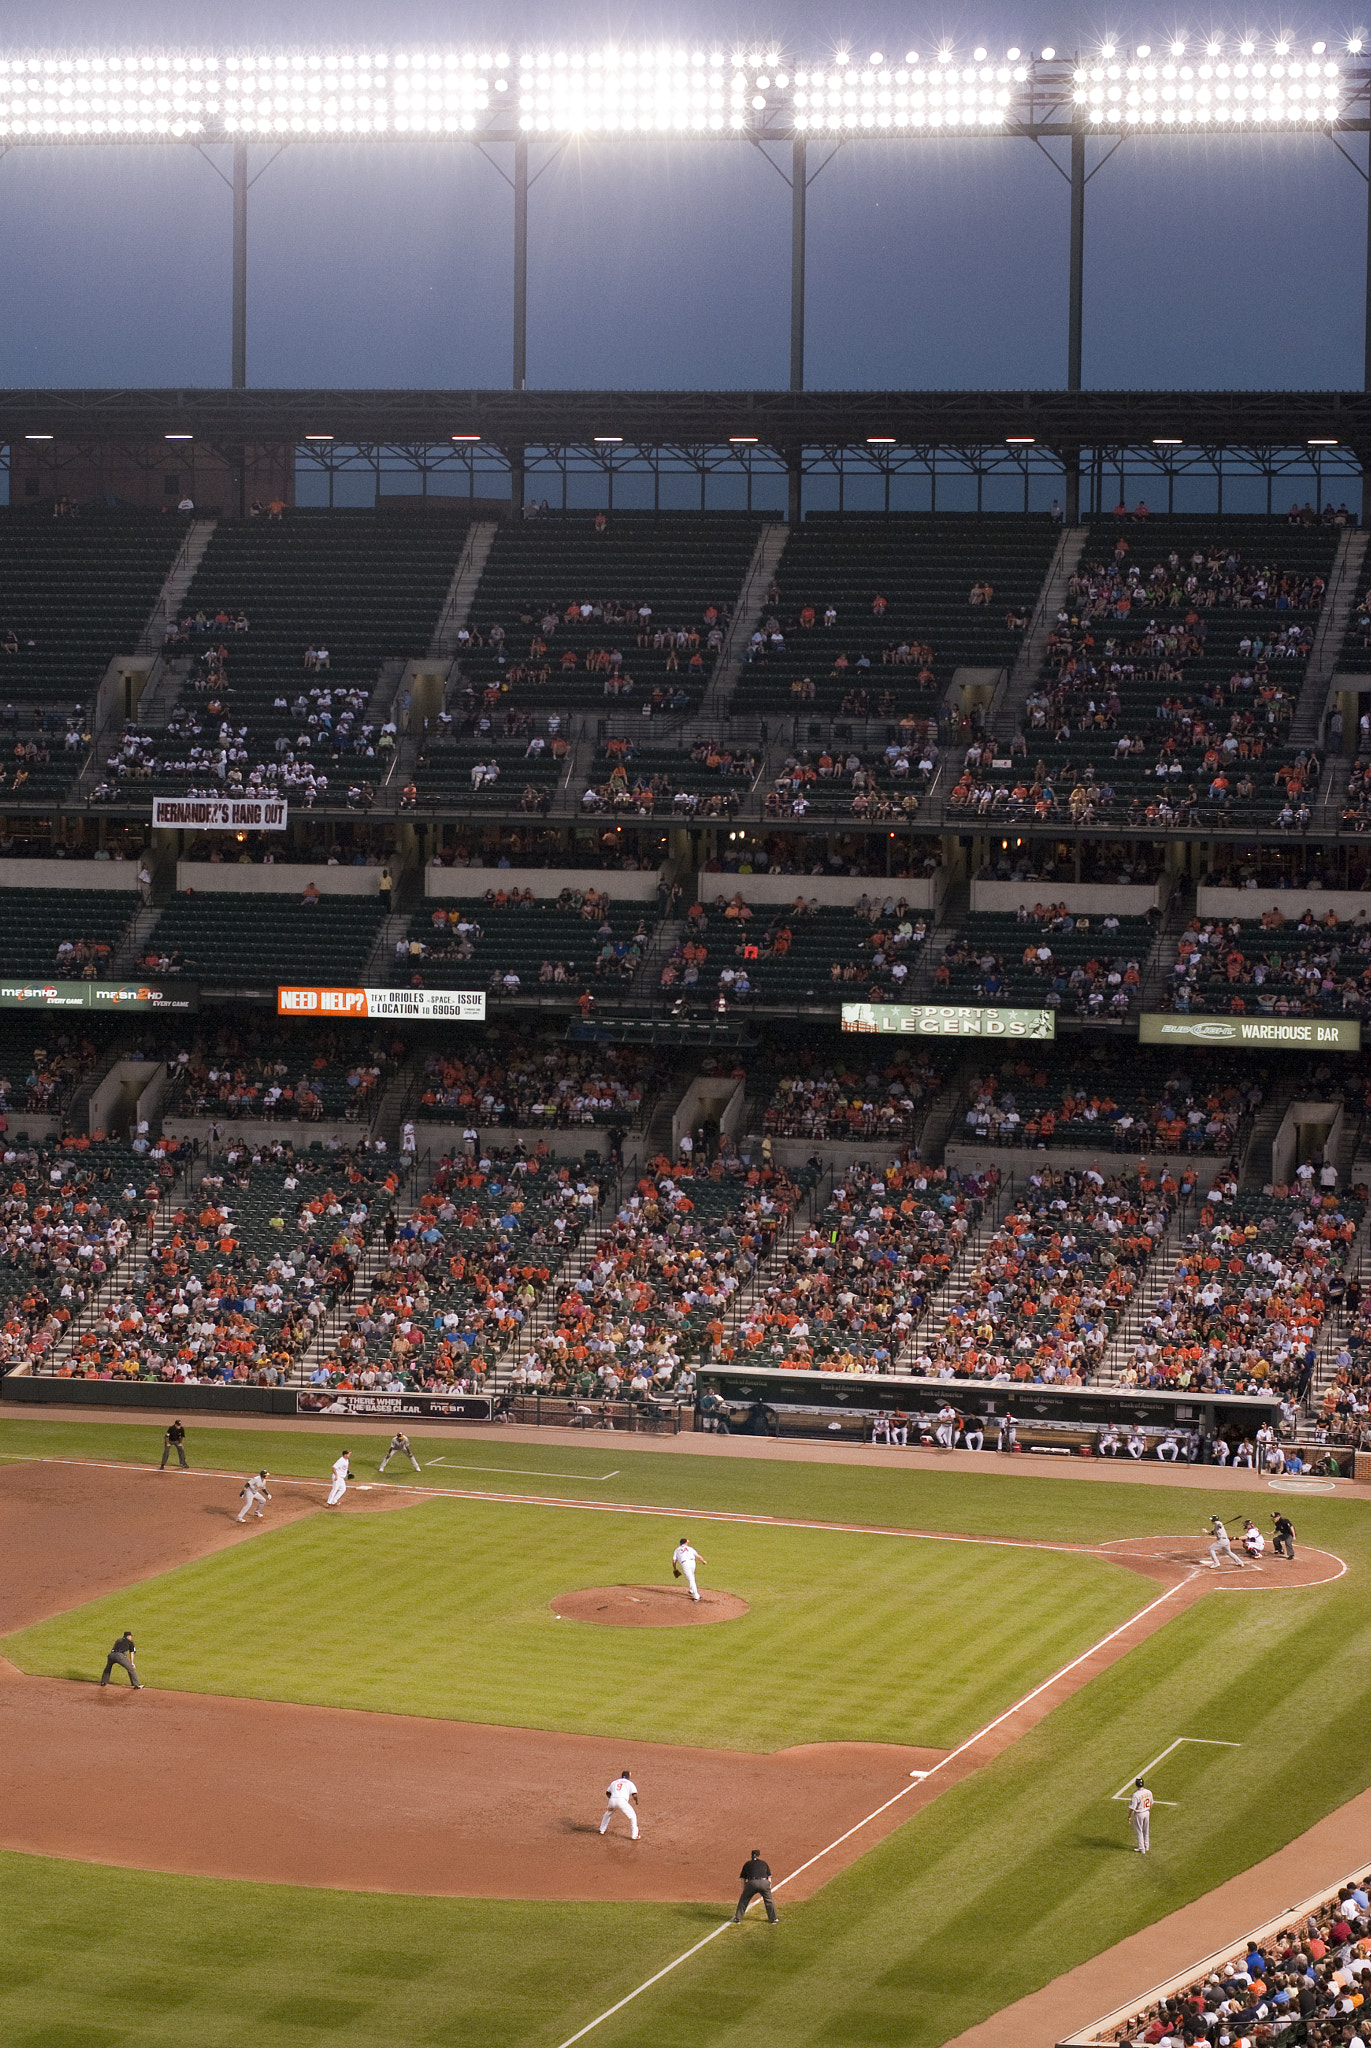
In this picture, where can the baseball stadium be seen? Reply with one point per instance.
(685, 1334)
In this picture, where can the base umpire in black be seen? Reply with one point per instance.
(174, 1440)
(756, 1877)
(1284, 1544)
(122, 1654)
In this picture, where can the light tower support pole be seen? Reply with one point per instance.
(1074, 310)
(240, 266)
(799, 194)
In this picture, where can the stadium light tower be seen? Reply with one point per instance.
(630, 91)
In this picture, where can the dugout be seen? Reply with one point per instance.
(1060, 1419)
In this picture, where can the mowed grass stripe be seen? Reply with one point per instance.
(961, 1497)
(1022, 1871)
(443, 1611)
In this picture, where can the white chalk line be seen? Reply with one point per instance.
(523, 1471)
(919, 1779)
(606, 1507)
(1200, 1741)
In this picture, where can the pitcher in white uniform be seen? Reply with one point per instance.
(684, 1559)
(1140, 1813)
(342, 1472)
(621, 1793)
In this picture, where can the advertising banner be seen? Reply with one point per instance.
(436, 1407)
(948, 1020)
(221, 813)
(401, 1005)
(99, 995)
(1260, 1034)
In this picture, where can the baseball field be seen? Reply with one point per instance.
(359, 1796)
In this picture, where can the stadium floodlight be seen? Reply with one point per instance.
(1311, 443)
(608, 440)
(626, 90)
(1167, 441)
(1020, 440)
(178, 437)
(743, 440)
(38, 437)
(880, 440)
(466, 437)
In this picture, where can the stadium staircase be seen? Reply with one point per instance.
(1005, 716)
(1343, 585)
(1160, 1267)
(125, 961)
(936, 1131)
(465, 577)
(949, 1293)
(179, 578)
(1256, 1163)
(747, 616)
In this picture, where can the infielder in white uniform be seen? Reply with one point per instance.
(342, 1472)
(1221, 1547)
(622, 1795)
(684, 1559)
(254, 1492)
(398, 1447)
(1140, 1813)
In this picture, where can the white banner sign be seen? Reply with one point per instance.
(449, 1005)
(221, 813)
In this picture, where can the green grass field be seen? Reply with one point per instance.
(1003, 1882)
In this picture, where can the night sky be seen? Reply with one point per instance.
(1209, 262)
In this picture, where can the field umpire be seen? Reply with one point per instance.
(174, 1440)
(122, 1654)
(756, 1877)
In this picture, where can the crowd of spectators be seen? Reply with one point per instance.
(1308, 1984)
(685, 789)
(655, 1292)
(686, 652)
(230, 1072)
(249, 1269)
(71, 1215)
(463, 1272)
(547, 1084)
(829, 1097)
(1247, 1298)
(880, 787)
(1050, 1285)
(1119, 1097)
(1307, 966)
(850, 1292)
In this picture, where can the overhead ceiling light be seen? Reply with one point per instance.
(178, 437)
(1321, 444)
(466, 437)
(318, 437)
(1020, 440)
(742, 440)
(608, 439)
(880, 440)
(1167, 441)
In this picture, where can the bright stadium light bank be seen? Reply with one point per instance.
(761, 96)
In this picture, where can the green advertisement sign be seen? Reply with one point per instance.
(949, 1020)
(1257, 1034)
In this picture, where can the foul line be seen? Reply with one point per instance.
(523, 1472)
(1207, 1741)
(607, 1507)
(919, 1780)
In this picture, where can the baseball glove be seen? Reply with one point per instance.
(675, 1571)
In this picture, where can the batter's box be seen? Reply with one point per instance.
(1181, 1742)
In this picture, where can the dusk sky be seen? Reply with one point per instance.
(1209, 262)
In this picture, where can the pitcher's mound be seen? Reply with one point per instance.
(646, 1606)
